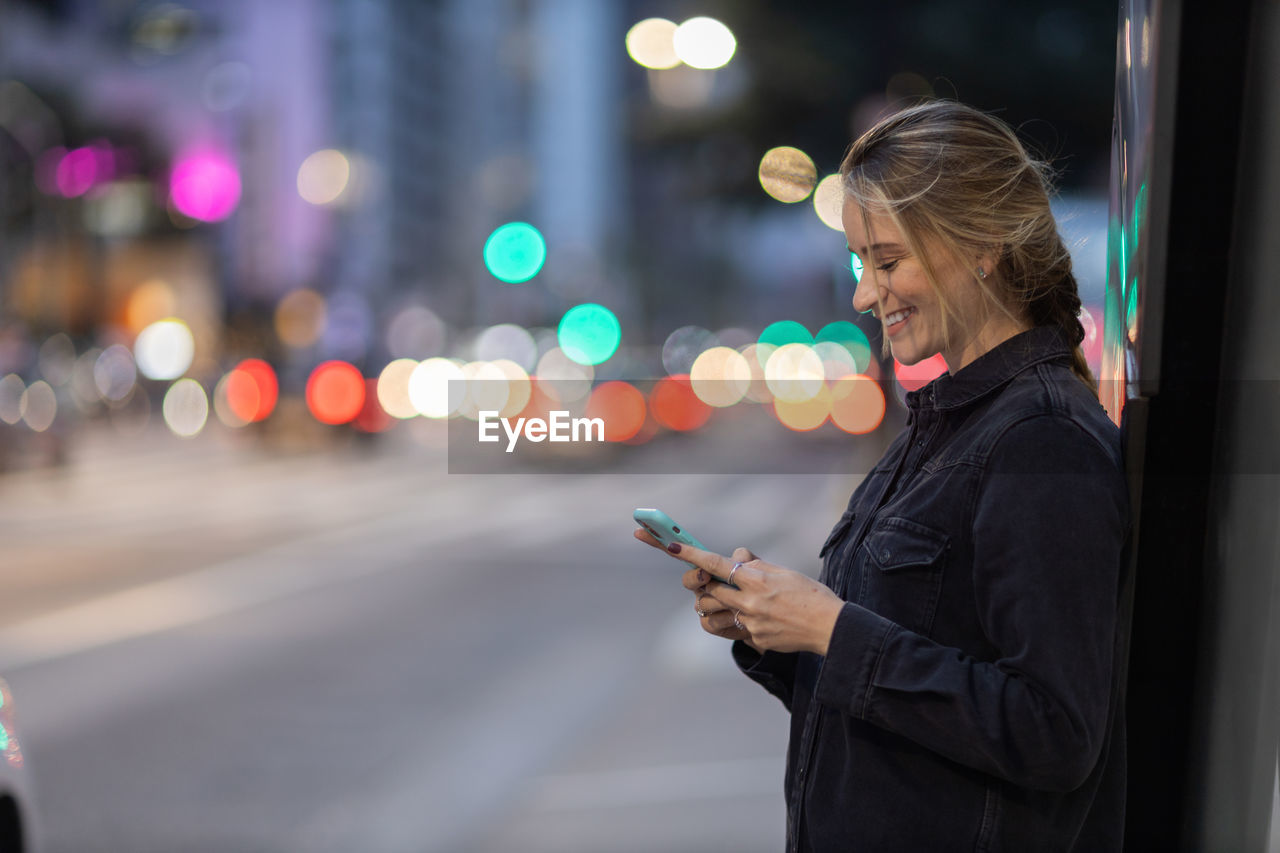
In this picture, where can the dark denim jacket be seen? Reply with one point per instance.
(967, 700)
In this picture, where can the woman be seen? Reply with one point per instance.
(953, 674)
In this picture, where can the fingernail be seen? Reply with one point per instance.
(702, 576)
(674, 547)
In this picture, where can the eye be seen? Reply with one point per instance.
(889, 267)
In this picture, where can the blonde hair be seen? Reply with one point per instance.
(956, 180)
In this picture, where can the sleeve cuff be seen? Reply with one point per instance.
(853, 656)
(774, 671)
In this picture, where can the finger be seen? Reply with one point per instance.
(743, 555)
(716, 565)
(707, 605)
(722, 621)
(695, 579)
(647, 538)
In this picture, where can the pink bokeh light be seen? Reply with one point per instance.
(79, 170)
(205, 185)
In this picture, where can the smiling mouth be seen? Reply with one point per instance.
(897, 318)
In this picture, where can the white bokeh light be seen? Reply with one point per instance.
(164, 349)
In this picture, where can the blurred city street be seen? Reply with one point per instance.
(212, 648)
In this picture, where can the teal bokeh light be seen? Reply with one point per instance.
(785, 332)
(850, 337)
(855, 267)
(589, 333)
(515, 252)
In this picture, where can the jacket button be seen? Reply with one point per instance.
(885, 555)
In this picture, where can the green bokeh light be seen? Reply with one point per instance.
(850, 337)
(589, 333)
(785, 332)
(855, 266)
(515, 252)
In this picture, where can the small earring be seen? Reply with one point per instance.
(982, 274)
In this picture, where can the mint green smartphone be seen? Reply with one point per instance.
(661, 527)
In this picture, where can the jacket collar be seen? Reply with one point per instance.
(992, 369)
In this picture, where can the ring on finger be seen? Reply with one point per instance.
(697, 608)
(735, 568)
(737, 621)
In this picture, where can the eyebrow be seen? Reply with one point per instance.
(876, 247)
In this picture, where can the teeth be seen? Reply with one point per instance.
(897, 316)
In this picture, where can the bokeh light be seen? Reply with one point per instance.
(781, 333)
(300, 318)
(563, 379)
(836, 360)
(415, 332)
(855, 267)
(323, 176)
(11, 402)
(431, 390)
(920, 374)
(787, 174)
(622, 408)
(39, 406)
(651, 43)
(507, 341)
(515, 252)
(804, 415)
(486, 389)
(372, 417)
(252, 390)
(857, 404)
(519, 386)
(335, 392)
(720, 377)
(676, 406)
(704, 43)
(393, 388)
(56, 359)
(851, 338)
(757, 356)
(115, 374)
(205, 186)
(185, 408)
(150, 301)
(79, 170)
(828, 202)
(589, 333)
(683, 346)
(794, 373)
(164, 349)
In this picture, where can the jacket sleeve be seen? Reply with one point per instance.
(774, 671)
(1047, 547)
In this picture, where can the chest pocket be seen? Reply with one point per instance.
(903, 564)
(838, 533)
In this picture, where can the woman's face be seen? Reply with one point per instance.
(904, 287)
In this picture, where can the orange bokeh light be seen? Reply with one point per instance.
(335, 392)
(252, 390)
(675, 406)
(621, 407)
(857, 404)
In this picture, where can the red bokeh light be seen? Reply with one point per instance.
(335, 392)
(621, 407)
(372, 417)
(675, 406)
(921, 373)
(252, 390)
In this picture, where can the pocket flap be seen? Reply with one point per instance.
(837, 532)
(900, 543)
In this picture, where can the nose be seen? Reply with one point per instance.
(864, 295)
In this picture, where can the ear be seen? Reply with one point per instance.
(987, 261)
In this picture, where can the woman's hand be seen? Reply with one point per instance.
(715, 617)
(778, 609)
